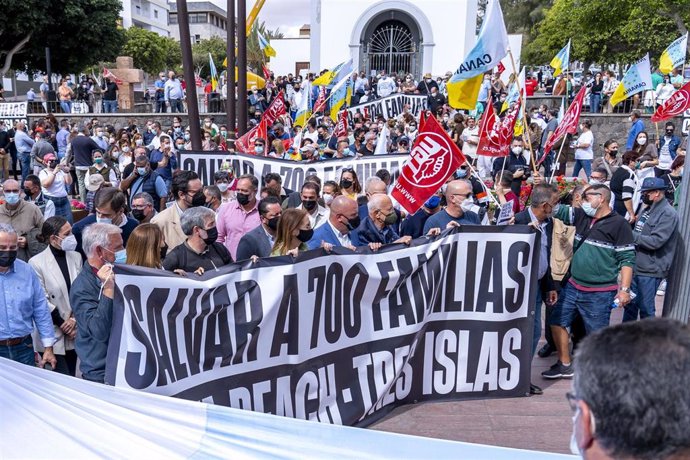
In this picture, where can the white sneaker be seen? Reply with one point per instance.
(662, 288)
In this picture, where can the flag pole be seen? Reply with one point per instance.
(524, 118)
(486, 188)
(324, 102)
(558, 157)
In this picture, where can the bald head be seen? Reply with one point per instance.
(378, 203)
(456, 192)
(10, 184)
(343, 205)
(344, 214)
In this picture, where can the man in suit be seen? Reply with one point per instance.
(544, 204)
(259, 242)
(188, 192)
(337, 231)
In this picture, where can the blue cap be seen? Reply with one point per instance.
(653, 183)
(433, 202)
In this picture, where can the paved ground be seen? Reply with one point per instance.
(537, 423)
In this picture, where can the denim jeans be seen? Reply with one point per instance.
(594, 307)
(644, 304)
(25, 163)
(583, 164)
(594, 103)
(110, 106)
(63, 208)
(21, 353)
(66, 106)
(160, 107)
(176, 106)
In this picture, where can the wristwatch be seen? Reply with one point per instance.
(625, 289)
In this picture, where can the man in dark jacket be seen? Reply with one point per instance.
(82, 150)
(91, 296)
(259, 242)
(378, 226)
(655, 236)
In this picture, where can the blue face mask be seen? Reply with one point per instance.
(12, 198)
(141, 171)
(259, 149)
(104, 220)
(121, 256)
(433, 202)
(590, 210)
(461, 173)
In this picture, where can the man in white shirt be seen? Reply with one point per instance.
(174, 93)
(470, 138)
(318, 215)
(386, 85)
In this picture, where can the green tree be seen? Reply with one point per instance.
(80, 33)
(607, 31)
(151, 52)
(200, 51)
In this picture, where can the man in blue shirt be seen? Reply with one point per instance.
(24, 144)
(22, 304)
(160, 93)
(92, 296)
(164, 159)
(636, 128)
(61, 139)
(457, 211)
(173, 93)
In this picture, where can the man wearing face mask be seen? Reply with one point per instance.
(379, 225)
(91, 297)
(259, 242)
(668, 150)
(33, 194)
(99, 138)
(143, 179)
(515, 163)
(655, 236)
(339, 229)
(189, 193)
(543, 205)
(459, 203)
(226, 183)
(142, 207)
(200, 252)
(318, 215)
(110, 205)
(239, 217)
(24, 217)
(632, 368)
(603, 251)
(636, 128)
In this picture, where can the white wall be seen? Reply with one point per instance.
(288, 51)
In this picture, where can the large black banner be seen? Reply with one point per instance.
(293, 173)
(339, 338)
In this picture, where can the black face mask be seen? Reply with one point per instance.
(242, 199)
(345, 183)
(669, 132)
(52, 164)
(646, 199)
(27, 191)
(305, 235)
(138, 214)
(309, 205)
(164, 251)
(613, 153)
(198, 199)
(7, 258)
(353, 223)
(211, 236)
(273, 223)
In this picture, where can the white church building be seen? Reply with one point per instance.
(393, 35)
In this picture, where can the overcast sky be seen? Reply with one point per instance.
(286, 15)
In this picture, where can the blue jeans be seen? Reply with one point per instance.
(63, 208)
(594, 307)
(66, 106)
(176, 106)
(25, 163)
(21, 353)
(110, 106)
(583, 164)
(594, 103)
(645, 303)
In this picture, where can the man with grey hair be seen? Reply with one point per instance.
(24, 217)
(200, 251)
(23, 304)
(630, 395)
(142, 207)
(372, 186)
(378, 226)
(92, 296)
(459, 201)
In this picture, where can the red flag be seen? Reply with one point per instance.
(678, 103)
(434, 158)
(267, 73)
(320, 104)
(500, 67)
(341, 128)
(422, 120)
(495, 135)
(197, 80)
(245, 144)
(568, 124)
(108, 74)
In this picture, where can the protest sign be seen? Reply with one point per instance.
(293, 173)
(11, 112)
(389, 106)
(506, 213)
(340, 337)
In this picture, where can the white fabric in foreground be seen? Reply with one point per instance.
(48, 415)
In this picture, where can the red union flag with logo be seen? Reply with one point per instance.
(568, 124)
(434, 157)
(495, 135)
(245, 144)
(341, 128)
(678, 103)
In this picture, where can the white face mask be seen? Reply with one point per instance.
(327, 199)
(517, 150)
(223, 187)
(574, 448)
(467, 204)
(642, 140)
(595, 182)
(69, 243)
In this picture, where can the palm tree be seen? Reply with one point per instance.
(255, 57)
